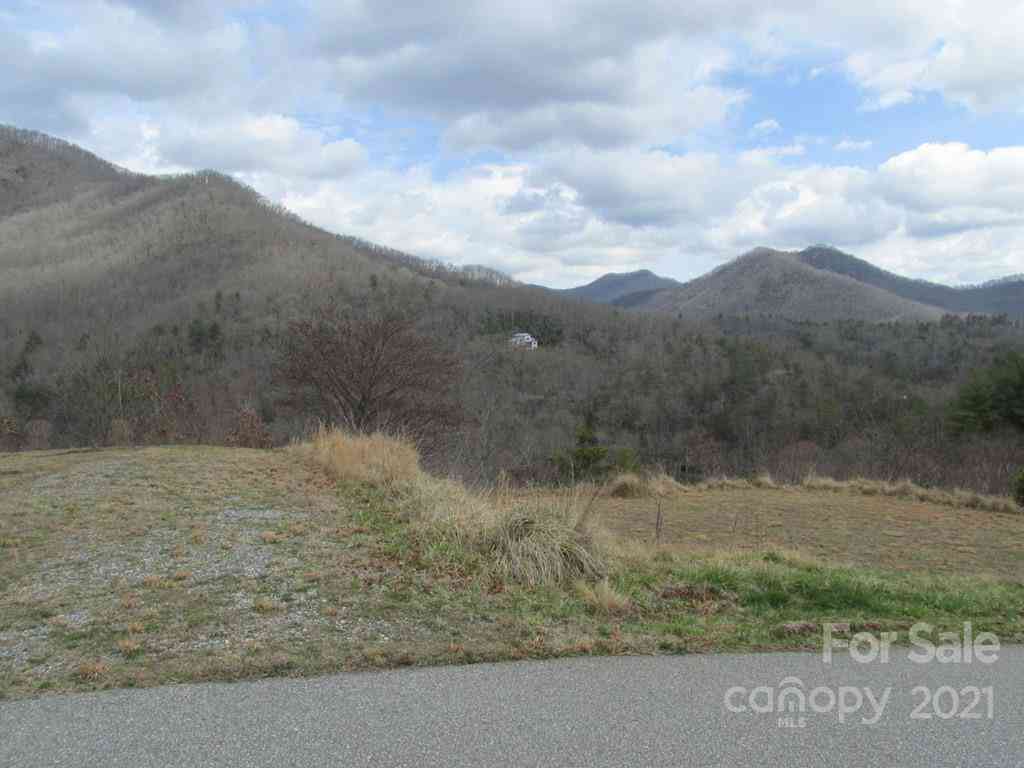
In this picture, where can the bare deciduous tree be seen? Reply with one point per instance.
(372, 371)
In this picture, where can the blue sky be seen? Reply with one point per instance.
(560, 141)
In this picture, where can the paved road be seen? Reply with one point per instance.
(668, 711)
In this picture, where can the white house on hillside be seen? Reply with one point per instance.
(524, 340)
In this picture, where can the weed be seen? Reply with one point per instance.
(265, 605)
(603, 597)
(91, 671)
(129, 647)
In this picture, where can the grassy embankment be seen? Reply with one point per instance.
(148, 566)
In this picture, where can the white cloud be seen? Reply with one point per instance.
(850, 145)
(934, 177)
(251, 144)
(615, 124)
(766, 127)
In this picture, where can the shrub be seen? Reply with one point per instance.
(120, 432)
(1018, 488)
(625, 460)
(588, 459)
(37, 434)
(249, 430)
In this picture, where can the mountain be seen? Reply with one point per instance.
(614, 287)
(995, 297)
(89, 251)
(768, 282)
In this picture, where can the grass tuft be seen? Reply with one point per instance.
(129, 647)
(265, 605)
(629, 485)
(376, 459)
(602, 597)
(92, 671)
(531, 542)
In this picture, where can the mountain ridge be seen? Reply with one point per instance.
(614, 285)
(835, 272)
(73, 225)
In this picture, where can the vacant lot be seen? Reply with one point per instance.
(146, 566)
(845, 527)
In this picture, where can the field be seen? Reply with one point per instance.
(134, 567)
(845, 527)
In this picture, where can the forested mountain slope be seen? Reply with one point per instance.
(139, 310)
(89, 251)
(996, 297)
(767, 282)
(610, 288)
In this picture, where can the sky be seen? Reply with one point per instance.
(560, 141)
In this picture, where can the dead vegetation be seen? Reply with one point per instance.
(525, 542)
(636, 486)
(343, 554)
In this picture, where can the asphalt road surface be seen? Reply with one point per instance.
(666, 711)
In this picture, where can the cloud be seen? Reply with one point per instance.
(612, 132)
(252, 144)
(849, 145)
(934, 177)
(766, 127)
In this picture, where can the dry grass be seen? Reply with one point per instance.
(524, 542)
(905, 489)
(425, 571)
(129, 647)
(375, 459)
(603, 598)
(836, 525)
(630, 485)
(92, 671)
(535, 544)
(266, 605)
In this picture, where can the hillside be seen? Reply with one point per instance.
(88, 251)
(115, 573)
(767, 282)
(38, 170)
(139, 310)
(995, 297)
(613, 287)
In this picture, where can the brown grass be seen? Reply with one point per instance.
(427, 571)
(602, 597)
(129, 647)
(92, 671)
(630, 485)
(376, 459)
(265, 605)
(836, 525)
(524, 542)
(905, 489)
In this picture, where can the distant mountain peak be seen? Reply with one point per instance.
(614, 286)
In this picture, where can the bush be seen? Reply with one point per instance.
(249, 430)
(37, 434)
(1018, 488)
(588, 460)
(120, 433)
